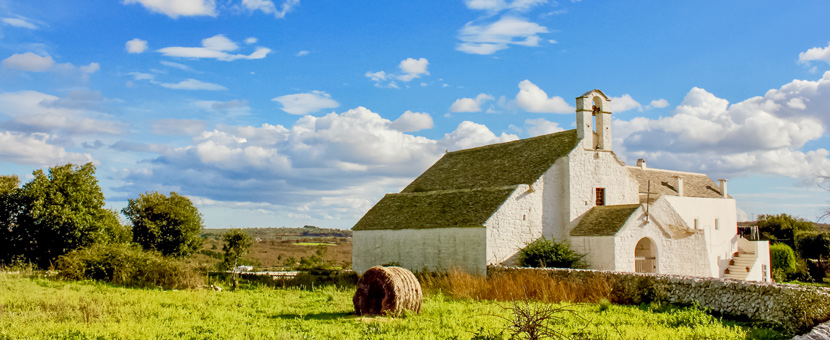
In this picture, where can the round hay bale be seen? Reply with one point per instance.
(387, 290)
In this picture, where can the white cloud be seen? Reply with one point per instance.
(492, 37)
(541, 126)
(21, 22)
(176, 8)
(533, 99)
(412, 121)
(227, 108)
(659, 103)
(470, 104)
(187, 127)
(77, 113)
(762, 135)
(624, 103)
(470, 135)
(499, 5)
(302, 53)
(215, 47)
(376, 76)
(29, 62)
(305, 103)
(413, 68)
(815, 53)
(251, 40)
(136, 46)
(142, 76)
(35, 149)
(268, 7)
(176, 65)
(193, 84)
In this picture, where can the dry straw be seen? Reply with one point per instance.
(387, 290)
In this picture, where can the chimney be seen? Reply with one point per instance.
(641, 163)
(679, 185)
(723, 188)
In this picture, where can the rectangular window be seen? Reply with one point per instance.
(600, 196)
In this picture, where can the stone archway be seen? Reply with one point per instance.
(645, 256)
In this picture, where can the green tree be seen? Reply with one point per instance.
(10, 209)
(170, 225)
(9, 183)
(550, 253)
(814, 245)
(236, 244)
(57, 213)
(782, 228)
(783, 261)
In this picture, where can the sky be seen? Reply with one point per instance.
(283, 113)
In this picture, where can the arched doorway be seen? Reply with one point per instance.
(645, 256)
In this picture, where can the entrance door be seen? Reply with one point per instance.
(645, 256)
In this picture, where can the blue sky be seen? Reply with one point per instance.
(270, 113)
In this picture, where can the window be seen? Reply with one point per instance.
(600, 200)
(697, 226)
(717, 224)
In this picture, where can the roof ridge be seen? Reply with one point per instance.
(447, 191)
(666, 170)
(512, 141)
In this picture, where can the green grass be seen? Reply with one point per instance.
(38, 308)
(313, 244)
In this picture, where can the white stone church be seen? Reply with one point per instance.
(480, 206)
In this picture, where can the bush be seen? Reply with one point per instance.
(126, 265)
(550, 253)
(782, 258)
(814, 245)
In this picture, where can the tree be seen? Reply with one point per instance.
(814, 245)
(169, 225)
(782, 228)
(236, 244)
(55, 214)
(9, 183)
(783, 261)
(825, 184)
(550, 253)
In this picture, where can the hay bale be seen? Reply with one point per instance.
(387, 290)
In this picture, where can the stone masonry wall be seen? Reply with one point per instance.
(795, 307)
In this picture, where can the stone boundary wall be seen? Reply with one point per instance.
(794, 307)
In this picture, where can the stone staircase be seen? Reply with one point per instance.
(740, 261)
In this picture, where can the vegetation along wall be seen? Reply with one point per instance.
(798, 308)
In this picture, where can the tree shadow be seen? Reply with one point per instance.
(317, 316)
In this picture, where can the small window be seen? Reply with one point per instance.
(717, 224)
(697, 225)
(600, 196)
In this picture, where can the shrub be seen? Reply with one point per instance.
(782, 258)
(127, 265)
(550, 253)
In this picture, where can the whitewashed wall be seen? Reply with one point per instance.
(555, 199)
(721, 242)
(515, 224)
(599, 251)
(416, 249)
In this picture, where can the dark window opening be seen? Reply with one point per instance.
(600, 196)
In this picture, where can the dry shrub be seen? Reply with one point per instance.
(387, 290)
(517, 285)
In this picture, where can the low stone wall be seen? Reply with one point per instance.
(795, 307)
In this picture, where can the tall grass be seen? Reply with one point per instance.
(512, 286)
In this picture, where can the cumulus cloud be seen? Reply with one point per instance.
(193, 84)
(413, 68)
(412, 121)
(36, 149)
(305, 103)
(215, 47)
(334, 166)
(77, 113)
(187, 127)
(761, 135)
(533, 99)
(659, 103)
(29, 62)
(136, 46)
(177, 8)
(815, 53)
(624, 103)
(488, 38)
(268, 6)
(470, 104)
(541, 126)
(20, 22)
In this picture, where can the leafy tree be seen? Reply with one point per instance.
(782, 228)
(825, 184)
(169, 225)
(55, 214)
(550, 253)
(237, 243)
(815, 245)
(8, 183)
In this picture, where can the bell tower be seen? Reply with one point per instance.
(593, 120)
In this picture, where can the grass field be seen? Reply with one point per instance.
(39, 308)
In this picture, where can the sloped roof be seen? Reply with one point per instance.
(664, 182)
(435, 209)
(497, 165)
(604, 220)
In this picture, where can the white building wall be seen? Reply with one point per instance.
(515, 224)
(556, 201)
(599, 251)
(418, 249)
(761, 251)
(721, 241)
(591, 169)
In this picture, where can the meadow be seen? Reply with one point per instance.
(44, 308)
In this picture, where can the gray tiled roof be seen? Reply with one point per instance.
(664, 182)
(604, 220)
